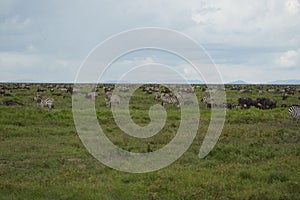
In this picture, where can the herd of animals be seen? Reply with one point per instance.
(181, 96)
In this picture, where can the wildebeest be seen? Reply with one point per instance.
(291, 92)
(108, 89)
(57, 94)
(265, 103)
(261, 103)
(12, 103)
(166, 90)
(245, 103)
(40, 90)
(72, 90)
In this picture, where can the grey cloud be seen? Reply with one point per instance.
(242, 34)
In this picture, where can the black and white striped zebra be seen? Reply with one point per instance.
(49, 102)
(294, 112)
(112, 99)
(157, 96)
(209, 101)
(169, 99)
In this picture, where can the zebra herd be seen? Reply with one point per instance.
(164, 97)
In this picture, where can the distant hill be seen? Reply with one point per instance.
(285, 82)
(238, 82)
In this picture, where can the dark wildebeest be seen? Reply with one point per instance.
(265, 103)
(245, 103)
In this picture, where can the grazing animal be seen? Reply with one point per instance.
(12, 103)
(170, 99)
(57, 94)
(91, 95)
(209, 102)
(245, 103)
(49, 102)
(71, 90)
(183, 95)
(259, 93)
(112, 98)
(229, 105)
(63, 89)
(40, 90)
(157, 96)
(265, 103)
(123, 89)
(285, 96)
(108, 89)
(188, 102)
(291, 92)
(294, 112)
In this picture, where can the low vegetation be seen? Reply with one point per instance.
(257, 155)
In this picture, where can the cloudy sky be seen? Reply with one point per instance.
(255, 41)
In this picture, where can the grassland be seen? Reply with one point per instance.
(42, 157)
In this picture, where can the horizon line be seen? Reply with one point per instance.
(114, 82)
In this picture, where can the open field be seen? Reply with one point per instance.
(41, 156)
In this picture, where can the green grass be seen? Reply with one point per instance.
(41, 156)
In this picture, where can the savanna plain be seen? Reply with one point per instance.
(42, 157)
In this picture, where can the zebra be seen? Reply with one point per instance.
(112, 98)
(185, 97)
(294, 112)
(209, 101)
(91, 95)
(49, 102)
(157, 96)
(259, 93)
(170, 99)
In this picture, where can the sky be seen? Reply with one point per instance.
(47, 41)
